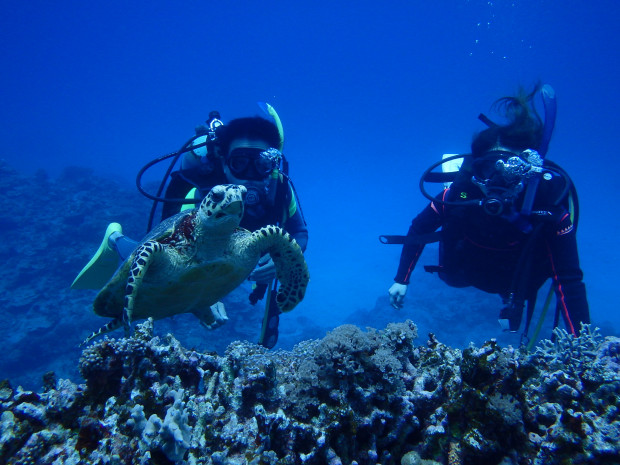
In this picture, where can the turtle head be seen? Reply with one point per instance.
(222, 208)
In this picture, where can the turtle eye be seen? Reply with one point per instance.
(217, 195)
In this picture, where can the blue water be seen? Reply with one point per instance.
(370, 94)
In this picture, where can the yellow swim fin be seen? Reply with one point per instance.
(102, 266)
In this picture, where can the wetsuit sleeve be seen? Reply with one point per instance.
(567, 274)
(295, 223)
(428, 221)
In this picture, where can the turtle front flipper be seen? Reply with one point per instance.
(291, 267)
(139, 266)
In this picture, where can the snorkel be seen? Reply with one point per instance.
(550, 105)
(275, 174)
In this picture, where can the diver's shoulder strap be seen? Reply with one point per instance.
(285, 205)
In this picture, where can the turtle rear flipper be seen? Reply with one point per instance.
(291, 267)
(111, 326)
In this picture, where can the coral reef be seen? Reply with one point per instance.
(353, 397)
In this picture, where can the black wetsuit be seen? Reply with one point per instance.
(484, 251)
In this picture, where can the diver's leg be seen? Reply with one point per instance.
(124, 246)
(113, 248)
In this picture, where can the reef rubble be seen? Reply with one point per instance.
(353, 397)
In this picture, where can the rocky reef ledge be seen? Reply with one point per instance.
(353, 397)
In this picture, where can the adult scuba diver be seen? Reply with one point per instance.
(245, 151)
(506, 220)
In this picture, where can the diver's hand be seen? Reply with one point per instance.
(219, 316)
(265, 272)
(397, 295)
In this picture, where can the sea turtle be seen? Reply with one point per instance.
(193, 259)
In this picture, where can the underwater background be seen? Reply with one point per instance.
(370, 94)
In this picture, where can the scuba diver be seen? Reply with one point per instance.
(508, 219)
(244, 151)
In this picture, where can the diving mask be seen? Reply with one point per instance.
(253, 163)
